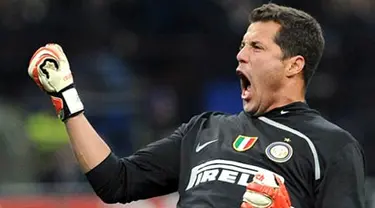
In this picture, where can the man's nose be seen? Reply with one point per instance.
(243, 56)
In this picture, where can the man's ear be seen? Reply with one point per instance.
(294, 65)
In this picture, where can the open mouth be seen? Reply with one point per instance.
(245, 82)
(245, 86)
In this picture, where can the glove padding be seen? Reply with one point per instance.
(50, 70)
(266, 191)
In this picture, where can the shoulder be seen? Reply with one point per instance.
(330, 131)
(212, 116)
(329, 138)
(209, 118)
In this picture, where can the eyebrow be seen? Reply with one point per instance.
(255, 42)
(252, 43)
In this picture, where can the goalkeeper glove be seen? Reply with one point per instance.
(266, 191)
(50, 70)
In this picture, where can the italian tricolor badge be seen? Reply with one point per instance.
(243, 143)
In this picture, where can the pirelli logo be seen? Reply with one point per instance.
(225, 171)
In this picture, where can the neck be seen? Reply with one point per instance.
(290, 93)
(283, 101)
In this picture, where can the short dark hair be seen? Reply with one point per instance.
(300, 34)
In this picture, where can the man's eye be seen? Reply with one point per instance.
(256, 46)
(242, 45)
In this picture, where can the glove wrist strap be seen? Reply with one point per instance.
(67, 103)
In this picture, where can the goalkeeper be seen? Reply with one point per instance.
(298, 158)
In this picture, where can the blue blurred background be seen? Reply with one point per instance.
(142, 67)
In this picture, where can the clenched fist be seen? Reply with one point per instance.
(49, 68)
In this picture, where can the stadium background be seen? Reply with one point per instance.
(142, 67)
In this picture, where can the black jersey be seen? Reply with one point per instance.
(212, 158)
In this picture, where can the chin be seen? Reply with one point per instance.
(248, 108)
(251, 108)
(251, 112)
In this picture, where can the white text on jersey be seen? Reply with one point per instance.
(225, 171)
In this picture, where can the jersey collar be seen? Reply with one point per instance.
(290, 109)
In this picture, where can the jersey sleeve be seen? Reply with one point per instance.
(343, 184)
(151, 171)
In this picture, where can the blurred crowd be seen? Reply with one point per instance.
(142, 67)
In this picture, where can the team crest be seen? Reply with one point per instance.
(279, 152)
(243, 143)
